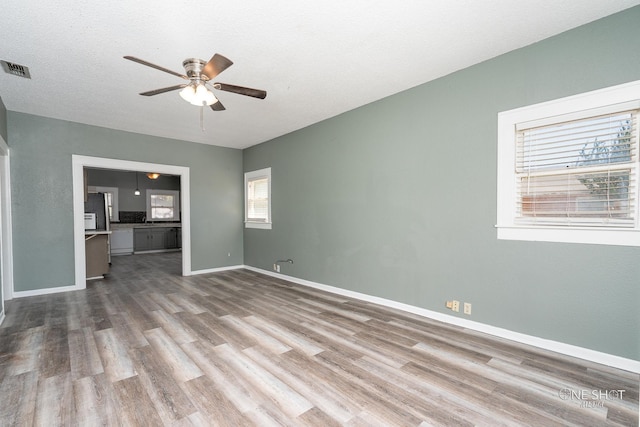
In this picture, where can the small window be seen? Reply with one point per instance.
(163, 205)
(568, 169)
(257, 187)
(111, 194)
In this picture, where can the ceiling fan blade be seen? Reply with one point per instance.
(157, 67)
(216, 65)
(256, 93)
(217, 106)
(163, 90)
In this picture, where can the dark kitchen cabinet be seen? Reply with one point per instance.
(171, 238)
(149, 239)
(156, 238)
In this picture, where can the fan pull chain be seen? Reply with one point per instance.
(202, 116)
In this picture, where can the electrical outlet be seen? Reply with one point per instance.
(455, 306)
(278, 268)
(448, 304)
(275, 267)
(467, 308)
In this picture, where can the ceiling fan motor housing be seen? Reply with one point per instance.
(193, 67)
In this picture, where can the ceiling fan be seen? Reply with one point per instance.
(199, 74)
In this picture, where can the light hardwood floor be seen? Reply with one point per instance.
(148, 347)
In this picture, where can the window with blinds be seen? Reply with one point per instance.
(258, 198)
(581, 172)
(163, 205)
(111, 194)
(568, 169)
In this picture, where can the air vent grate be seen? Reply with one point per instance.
(16, 69)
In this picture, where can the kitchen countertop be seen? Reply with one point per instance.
(124, 226)
(92, 232)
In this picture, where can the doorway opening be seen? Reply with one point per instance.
(6, 248)
(81, 162)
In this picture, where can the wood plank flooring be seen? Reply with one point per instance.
(147, 347)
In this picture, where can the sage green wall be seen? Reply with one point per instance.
(42, 208)
(397, 199)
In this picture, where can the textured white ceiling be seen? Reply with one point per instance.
(315, 59)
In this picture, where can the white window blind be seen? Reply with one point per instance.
(111, 194)
(162, 206)
(258, 199)
(580, 172)
(109, 197)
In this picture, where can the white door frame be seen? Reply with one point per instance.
(80, 162)
(6, 240)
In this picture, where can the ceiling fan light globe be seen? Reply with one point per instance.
(188, 93)
(199, 95)
(197, 102)
(201, 92)
(203, 96)
(210, 98)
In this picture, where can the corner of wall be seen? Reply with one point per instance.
(3, 121)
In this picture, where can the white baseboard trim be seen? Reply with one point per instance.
(558, 347)
(45, 291)
(216, 270)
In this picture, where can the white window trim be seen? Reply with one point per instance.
(176, 204)
(507, 229)
(114, 205)
(261, 173)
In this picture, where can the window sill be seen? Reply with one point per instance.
(262, 225)
(584, 235)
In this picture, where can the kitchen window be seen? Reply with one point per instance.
(257, 190)
(111, 194)
(163, 205)
(568, 169)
